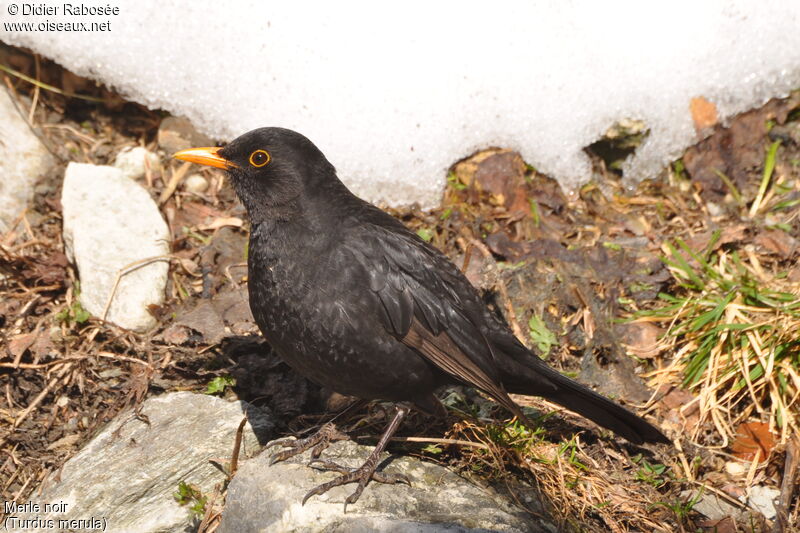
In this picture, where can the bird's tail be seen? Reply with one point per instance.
(534, 377)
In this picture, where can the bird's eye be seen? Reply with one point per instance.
(259, 158)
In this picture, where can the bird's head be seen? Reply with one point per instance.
(271, 169)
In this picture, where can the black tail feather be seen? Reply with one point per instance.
(568, 393)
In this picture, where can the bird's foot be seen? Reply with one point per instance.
(316, 442)
(361, 475)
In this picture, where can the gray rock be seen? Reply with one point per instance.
(133, 162)
(128, 474)
(263, 498)
(762, 499)
(711, 506)
(110, 224)
(23, 160)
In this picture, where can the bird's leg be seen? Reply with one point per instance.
(365, 472)
(318, 441)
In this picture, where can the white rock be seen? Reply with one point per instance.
(195, 183)
(110, 222)
(762, 499)
(394, 93)
(23, 160)
(133, 162)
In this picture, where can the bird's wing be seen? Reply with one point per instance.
(430, 306)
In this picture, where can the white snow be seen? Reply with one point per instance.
(394, 93)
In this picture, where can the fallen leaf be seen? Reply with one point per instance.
(19, 343)
(723, 525)
(205, 320)
(65, 442)
(752, 437)
(641, 339)
(699, 242)
(778, 242)
(680, 411)
(175, 335)
(501, 174)
(222, 222)
(501, 244)
(193, 214)
(737, 151)
(704, 113)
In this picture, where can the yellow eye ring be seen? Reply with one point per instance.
(259, 158)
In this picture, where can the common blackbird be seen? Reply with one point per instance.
(355, 301)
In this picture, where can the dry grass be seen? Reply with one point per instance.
(734, 319)
(735, 330)
(586, 487)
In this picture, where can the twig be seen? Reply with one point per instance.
(237, 445)
(787, 486)
(46, 86)
(454, 442)
(210, 520)
(109, 355)
(35, 99)
(127, 269)
(174, 180)
(36, 401)
(32, 366)
(82, 136)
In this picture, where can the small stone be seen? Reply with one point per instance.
(195, 183)
(762, 499)
(735, 469)
(133, 162)
(713, 209)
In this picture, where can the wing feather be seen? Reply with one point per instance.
(430, 307)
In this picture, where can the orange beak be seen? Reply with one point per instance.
(205, 156)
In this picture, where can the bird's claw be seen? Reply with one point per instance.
(316, 442)
(362, 475)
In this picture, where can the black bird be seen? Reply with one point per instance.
(355, 301)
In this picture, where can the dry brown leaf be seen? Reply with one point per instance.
(175, 334)
(778, 242)
(641, 339)
(704, 113)
(19, 343)
(752, 437)
(222, 222)
(722, 525)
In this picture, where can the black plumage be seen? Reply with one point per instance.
(353, 300)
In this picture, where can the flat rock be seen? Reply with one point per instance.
(110, 225)
(762, 499)
(126, 476)
(23, 160)
(264, 498)
(711, 505)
